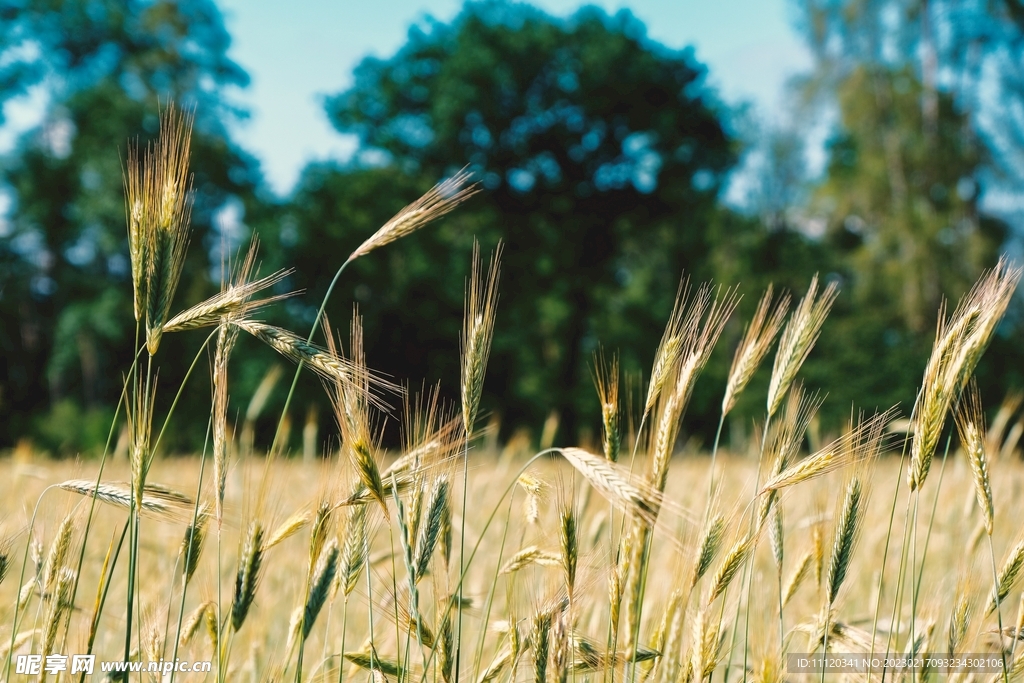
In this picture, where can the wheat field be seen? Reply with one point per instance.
(637, 558)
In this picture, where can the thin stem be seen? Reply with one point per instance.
(494, 584)
(298, 369)
(999, 609)
(885, 553)
(190, 544)
(462, 546)
(714, 453)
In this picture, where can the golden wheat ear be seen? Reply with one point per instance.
(158, 189)
(438, 201)
(477, 332)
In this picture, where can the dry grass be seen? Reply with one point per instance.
(263, 638)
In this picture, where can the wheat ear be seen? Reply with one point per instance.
(798, 338)
(970, 421)
(438, 201)
(477, 332)
(757, 341)
(247, 575)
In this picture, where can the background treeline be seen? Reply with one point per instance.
(603, 158)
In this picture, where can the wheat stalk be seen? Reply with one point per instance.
(192, 545)
(730, 565)
(802, 571)
(353, 554)
(569, 546)
(615, 484)
(234, 301)
(531, 555)
(862, 443)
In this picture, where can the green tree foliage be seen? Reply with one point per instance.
(601, 155)
(913, 150)
(902, 201)
(65, 288)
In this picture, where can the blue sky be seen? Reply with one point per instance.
(297, 52)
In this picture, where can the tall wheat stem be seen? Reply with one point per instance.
(187, 559)
(494, 583)
(885, 552)
(999, 609)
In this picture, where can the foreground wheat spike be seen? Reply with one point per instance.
(993, 292)
(234, 301)
(707, 548)
(157, 499)
(864, 442)
(606, 378)
(247, 576)
(60, 604)
(194, 620)
(970, 421)
(756, 342)
(706, 319)
(802, 571)
(58, 553)
(569, 545)
(939, 387)
(477, 332)
(438, 201)
(798, 339)
(430, 532)
(679, 326)
(960, 617)
(323, 578)
(227, 335)
(730, 565)
(959, 344)
(353, 554)
(192, 545)
(614, 482)
(850, 521)
(159, 204)
(1009, 574)
(298, 350)
(531, 555)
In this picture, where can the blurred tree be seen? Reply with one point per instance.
(902, 202)
(915, 148)
(65, 289)
(601, 154)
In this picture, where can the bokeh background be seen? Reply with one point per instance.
(879, 143)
